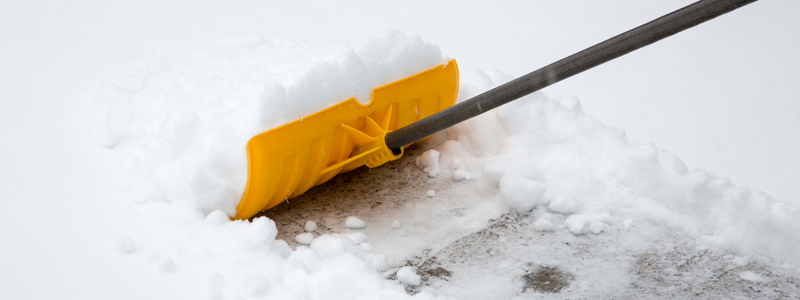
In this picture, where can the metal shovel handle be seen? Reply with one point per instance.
(607, 50)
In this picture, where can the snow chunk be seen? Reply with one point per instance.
(354, 223)
(396, 224)
(752, 276)
(167, 264)
(330, 246)
(628, 223)
(153, 256)
(563, 204)
(520, 193)
(356, 237)
(379, 262)
(429, 162)
(311, 226)
(305, 259)
(407, 275)
(217, 218)
(304, 238)
(584, 223)
(431, 193)
(461, 174)
(543, 225)
(366, 247)
(125, 244)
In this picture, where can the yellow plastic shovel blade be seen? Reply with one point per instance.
(286, 161)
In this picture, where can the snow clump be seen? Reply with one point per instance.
(585, 223)
(429, 162)
(407, 275)
(304, 238)
(431, 193)
(125, 244)
(520, 193)
(542, 224)
(354, 223)
(310, 226)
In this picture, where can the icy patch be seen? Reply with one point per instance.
(407, 275)
(354, 223)
(429, 162)
(752, 276)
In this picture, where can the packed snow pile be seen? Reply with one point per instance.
(181, 123)
(183, 119)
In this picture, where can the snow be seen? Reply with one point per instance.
(149, 218)
(125, 244)
(304, 238)
(354, 223)
(542, 224)
(310, 226)
(429, 162)
(407, 275)
(431, 193)
(751, 276)
(520, 193)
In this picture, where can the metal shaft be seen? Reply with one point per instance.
(607, 50)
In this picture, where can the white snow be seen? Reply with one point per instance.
(396, 224)
(407, 275)
(520, 193)
(310, 226)
(627, 223)
(149, 219)
(354, 223)
(304, 238)
(431, 193)
(542, 224)
(429, 162)
(752, 276)
(379, 262)
(125, 244)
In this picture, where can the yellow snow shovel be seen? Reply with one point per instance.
(286, 161)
